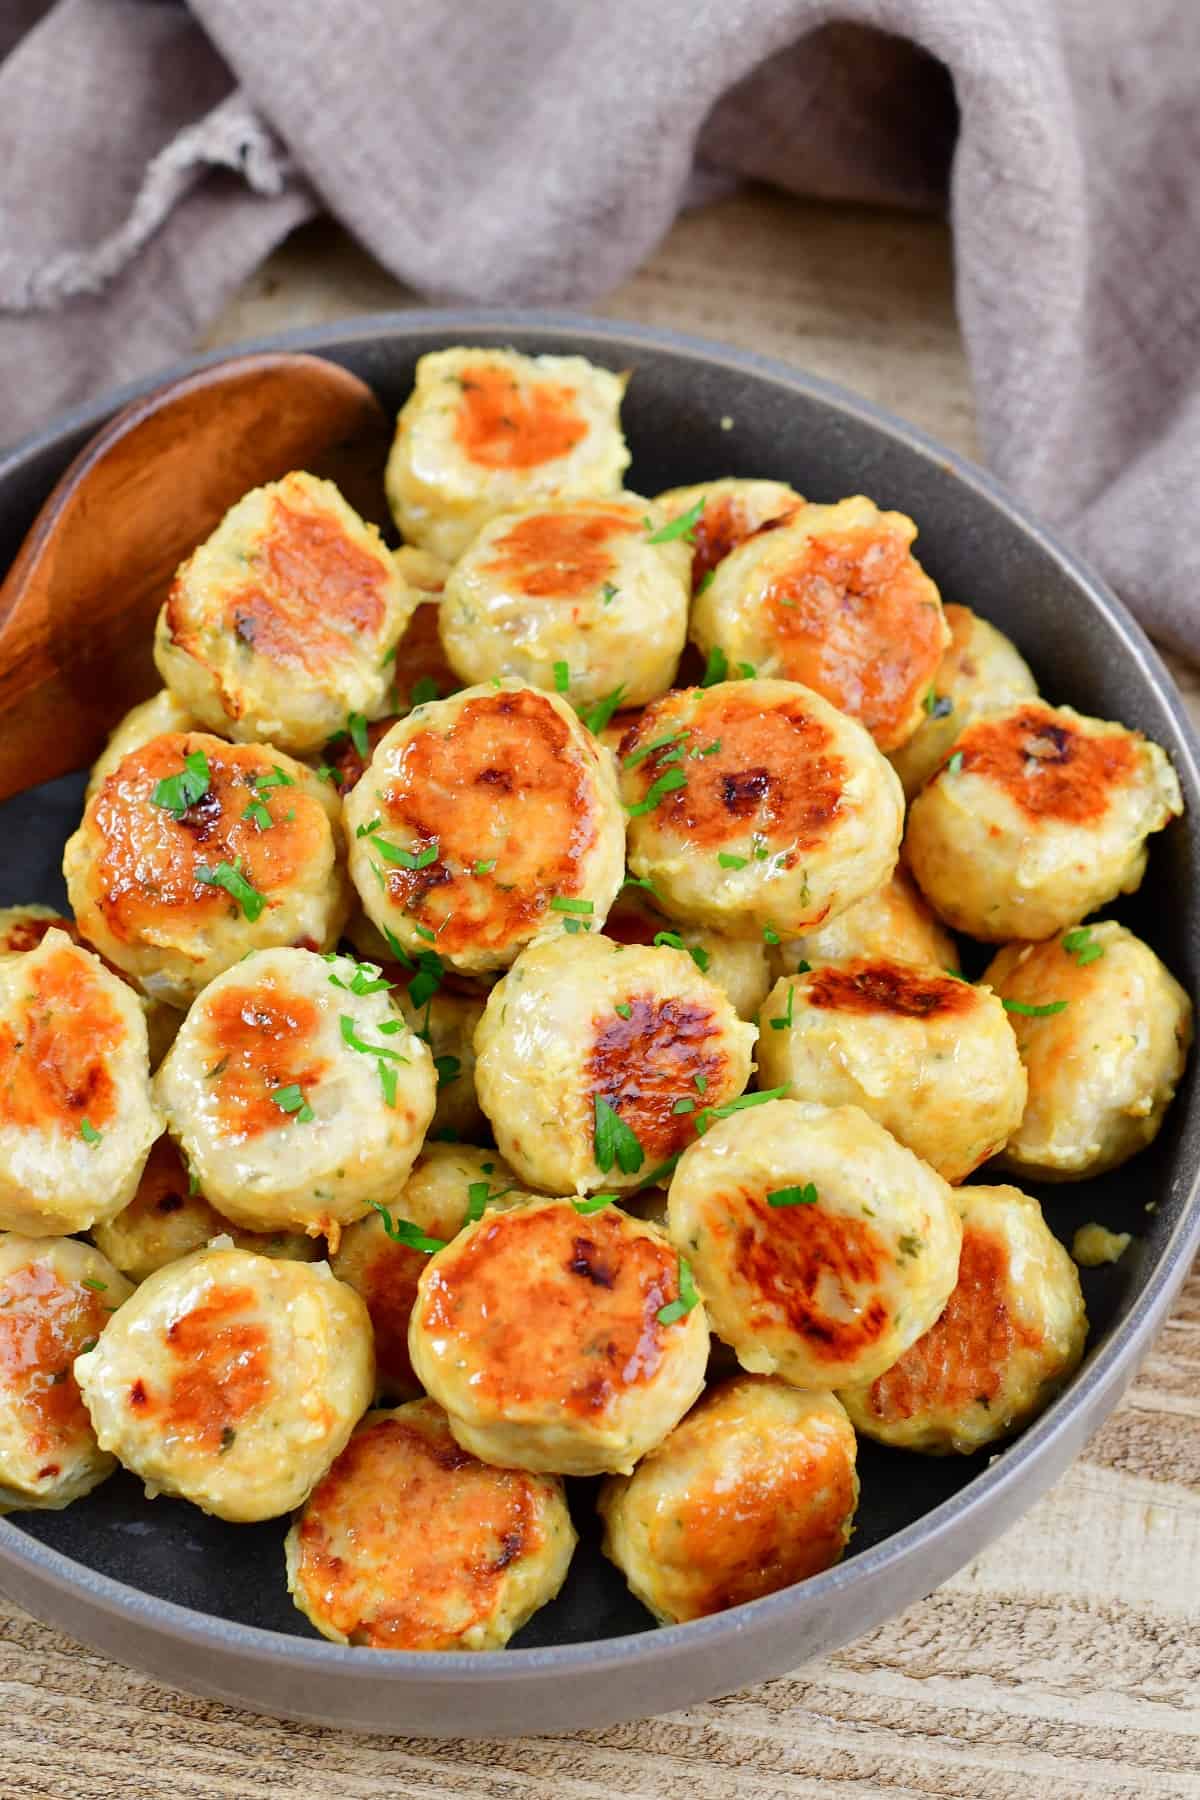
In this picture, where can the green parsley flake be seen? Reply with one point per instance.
(688, 1297)
(88, 1132)
(783, 1021)
(258, 812)
(423, 691)
(97, 1287)
(563, 903)
(597, 717)
(705, 1118)
(666, 783)
(229, 876)
(371, 826)
(275, 777)
(708, 750)
(609, 593)
(659, 743)
(955, 763)
(1082, 946)
(1033, 1012)
(356, 725)
(625, 1010)
(686, 1105)
(387, 1081)
(793, 1196)
(747, 671)
(175, 793)
(728, 860)
(403, 1231)
(428, 978)
(613, 1141)
(770, 935)
(352, 1040)
(938, 706)
(326, 772)
(683, 527)
(594, 1203)
(485, 868)
(408, 859)
(716, 668)
(397, 949)
(706, 581)
(449, 1068)
(562, 677)
(291, 1100)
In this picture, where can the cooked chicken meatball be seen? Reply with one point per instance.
(755, 1490)
(730, 510)
(449, 1184)
(194, 852)
(833, 598)
(169, 1217)
(1104, 1030)
(981, 672)
(581, 596)
(447, 1022)
(1038, 817)
(231, 1380)
(738, 965)
(22, 928)
(76, 1117)
(483, 823)
(926, 1054)
(484, 431)
(823, 1247)
(1012, 1332)
(280, 625)
(757, 809)
(410, 1543)
(155, 717)
(56, 1297)
(896, 920)
(559, 1340)
(594, 1058)
(297, 1092)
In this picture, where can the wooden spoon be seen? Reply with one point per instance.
(77, 609)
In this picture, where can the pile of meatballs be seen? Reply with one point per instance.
(510, 1028)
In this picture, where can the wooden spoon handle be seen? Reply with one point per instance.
(78, 606)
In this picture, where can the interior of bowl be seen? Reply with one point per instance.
(693, 412)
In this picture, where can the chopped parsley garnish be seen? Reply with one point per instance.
(356, 725)
(291, 1099)
(258, 812)
(805, 1195)
(955, 763)
(747, 671)
(88, 1132)
(716, 668)
(598, 716)
(770, 935)
(1082, 946)
(705, 1118)
(89, 1345)
(683, 527)
(593, 1203)
(424, 690)
(97, 1287)
(275, 777)
(938, 706)
(699, 956)
(728, 860)
(1033, 1012)
(664, 1168)
(449, 1068)
(706, 581)
(352, 1040)
(671, 939)
(625, 1010)
(688, 1297)
(708, 750)
(403, 1231)
(563, 903)
(326, 772)
(562, 677)
(783, 1021)
(387, 1081)
(701, 1082)
(428, 978)
(408, 859)
(175, 793)
(686, 1105)
(665, 784)
(485, 868)
(576, 925)
(397, 949)
(229, 876)
(424, 932)
(659, 743)
(613, 1141)
(389, 656)
(910, 1244)
(609, 593)
(371, 826)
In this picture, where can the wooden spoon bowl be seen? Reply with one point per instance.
(78, 606)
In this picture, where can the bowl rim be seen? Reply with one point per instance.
(1092, 1391)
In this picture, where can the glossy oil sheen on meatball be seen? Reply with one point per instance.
(981, 672)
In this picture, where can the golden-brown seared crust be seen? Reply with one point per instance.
(811, 1268)
(726, 522)
(562, 555)
(552, 1307)
(668, 1049)
(311, 588)
(218, 1358)
(260, 1039)
(45, 1322)
(410, 1543)
(55, 1054)
(145, 861)
(773, 770)
(502, 785)
(1049, 767)
(880, 985)
(22, 928)
(501, 423)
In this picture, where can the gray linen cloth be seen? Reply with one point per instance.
(537, 150)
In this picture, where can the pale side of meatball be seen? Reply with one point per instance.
(297, 1092)
(926, 1054)
(981, 672)
(755, 1490)
(1038, 817)
(822, 1247)
(585, 597)
(1011, 1334)
(410, 1543)
(594, 1059)
(231, 1380)
(757, 809)
(279, 627)
(194, 852)
(383, 1255)
(486, 822)
(169, 1217)
(896, 920)
(739, 966)
(835, 599)
(1104, 1031)
(76, 1115)
(486, 430)
(155, 717)
(447, 1023)
(559, 1338)
(722, 514)
(56, 1297)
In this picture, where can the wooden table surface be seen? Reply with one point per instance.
(1065, 1662)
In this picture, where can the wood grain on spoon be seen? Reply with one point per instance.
(77, 609)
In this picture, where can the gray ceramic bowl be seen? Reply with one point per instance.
(203, 1604)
